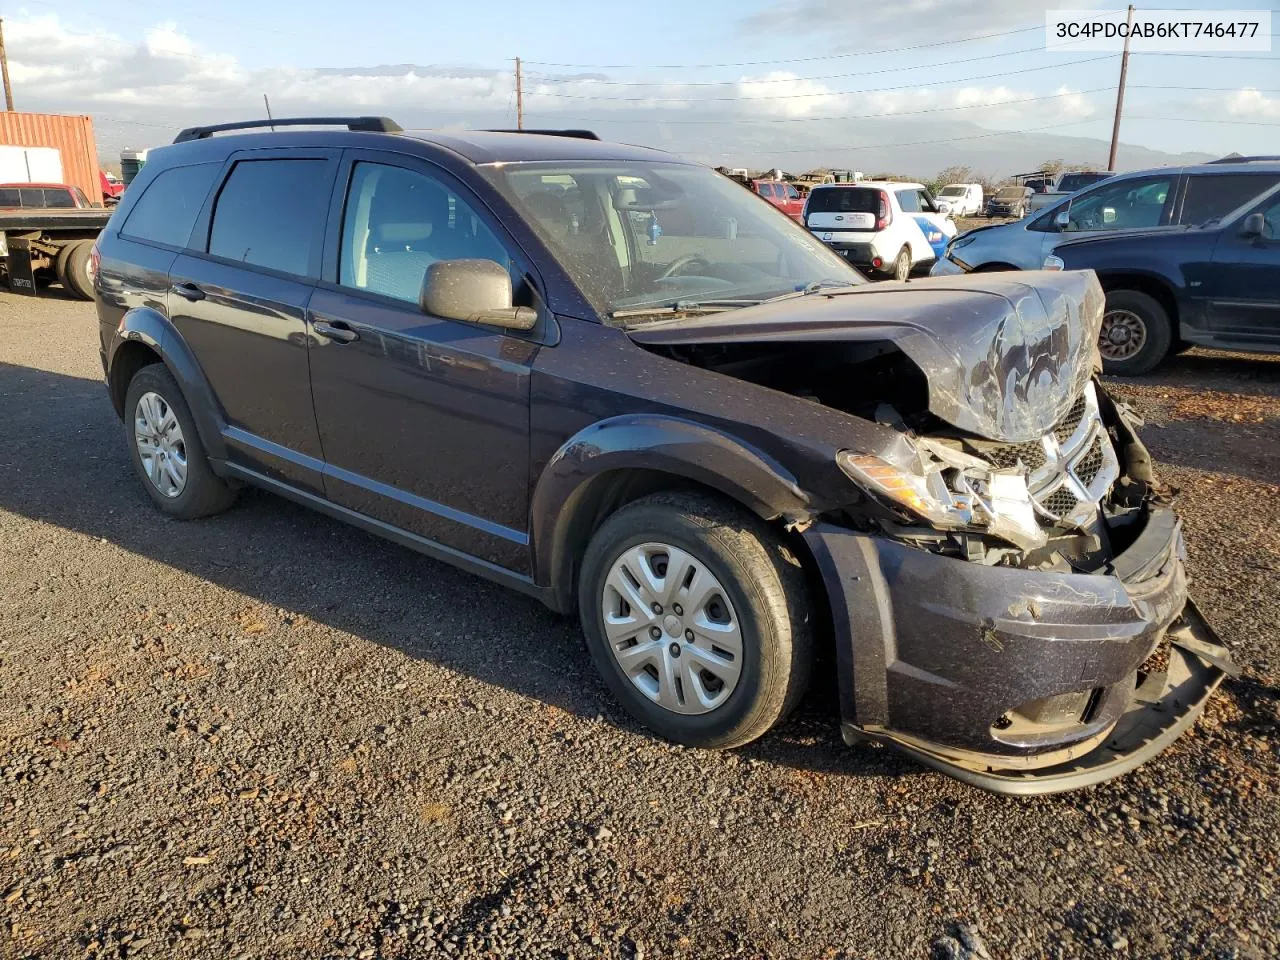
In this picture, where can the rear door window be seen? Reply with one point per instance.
(1214, 195)
(271, 214)
(167, 211)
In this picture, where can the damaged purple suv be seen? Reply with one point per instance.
(622, 384)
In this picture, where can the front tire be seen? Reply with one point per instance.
(1136, 333)
(166, 450)
(695, 616)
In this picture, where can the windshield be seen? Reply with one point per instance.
(952, 192)
(1011, 193)
(636, 235)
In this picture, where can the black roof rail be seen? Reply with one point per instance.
(368, 124)
(576, 134)
(1238, 159)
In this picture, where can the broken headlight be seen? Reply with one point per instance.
(952, 491)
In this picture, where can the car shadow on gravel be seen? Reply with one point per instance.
(63, 461)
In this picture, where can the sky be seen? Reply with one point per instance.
(774, 69)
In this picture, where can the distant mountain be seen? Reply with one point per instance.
(907, 146)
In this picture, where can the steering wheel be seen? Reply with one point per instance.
(679, 263)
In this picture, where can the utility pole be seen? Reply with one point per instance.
(4, 69)
(1124, 70)
(519, 97)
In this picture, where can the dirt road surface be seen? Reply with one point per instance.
(270, 735)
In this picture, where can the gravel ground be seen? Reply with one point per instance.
(270, 735)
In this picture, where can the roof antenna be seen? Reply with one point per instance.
(270, 119)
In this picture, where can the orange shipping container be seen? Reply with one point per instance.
(72, 136)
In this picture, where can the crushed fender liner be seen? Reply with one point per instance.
(1004, 355)
(1018, 681)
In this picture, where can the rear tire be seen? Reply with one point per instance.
(902, 265)
(76, 275)
(1136, 333)
(60, 263)
(154, 395)
(723, 672)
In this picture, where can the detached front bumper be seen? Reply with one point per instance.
(1017, 681)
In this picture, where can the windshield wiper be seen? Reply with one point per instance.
(682, 306)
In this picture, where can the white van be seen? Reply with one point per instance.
(961, 199)
(880, 227)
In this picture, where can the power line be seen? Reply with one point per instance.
(829, 93)
(829, 76)
(920, 143)
(739, 121)
(1234, 123)
(765, 63)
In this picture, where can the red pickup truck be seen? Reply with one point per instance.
(782, 195)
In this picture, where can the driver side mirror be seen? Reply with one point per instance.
(474, 291)
(1254, 226)
(1062, 220)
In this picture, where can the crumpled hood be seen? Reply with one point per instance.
(1005, 354)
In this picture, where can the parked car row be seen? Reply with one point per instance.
(1186, 256)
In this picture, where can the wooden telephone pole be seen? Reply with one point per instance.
(4, 70)
(1124, 71)
(519, 97)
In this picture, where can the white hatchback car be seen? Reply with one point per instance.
(881, 227)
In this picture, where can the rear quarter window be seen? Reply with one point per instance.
(166, 212)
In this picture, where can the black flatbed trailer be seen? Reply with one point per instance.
(49, 243)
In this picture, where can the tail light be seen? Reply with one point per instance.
(884, 216)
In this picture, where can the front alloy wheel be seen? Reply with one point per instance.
(161, 445)
(695, 615)
(672, 628)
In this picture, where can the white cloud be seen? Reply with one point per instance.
(1250, 104)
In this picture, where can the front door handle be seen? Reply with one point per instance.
(188, 291)
(337, 330)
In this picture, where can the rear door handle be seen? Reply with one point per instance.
(337, 330)
(188, 291)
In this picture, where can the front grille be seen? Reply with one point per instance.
(1071, 465)
(1067, 426)
(1030, 455)
(1088, 467)
(1060, 503)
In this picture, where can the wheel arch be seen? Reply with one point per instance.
(1156, 287)
(146, 336)
(615, 462)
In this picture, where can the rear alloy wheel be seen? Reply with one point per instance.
(1136, 333)
(165, 448)
(695, 615)
(902, 265)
